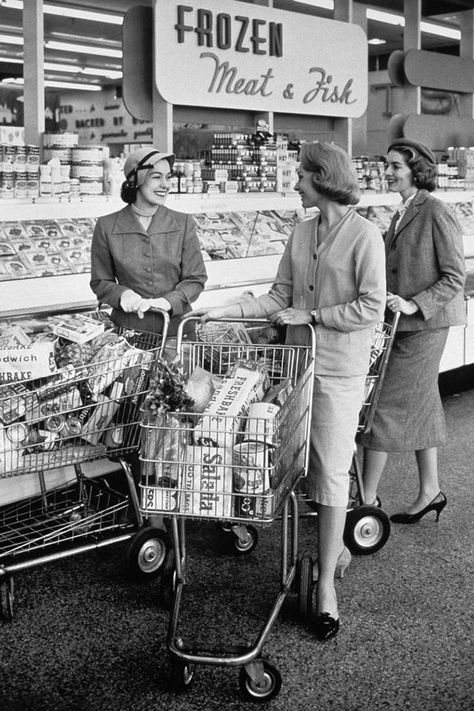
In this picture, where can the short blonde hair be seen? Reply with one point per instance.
(334, 173)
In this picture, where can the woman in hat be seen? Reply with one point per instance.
(147, 255)
(331, 275)
(425, 278)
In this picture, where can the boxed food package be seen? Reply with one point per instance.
(221, 420)
(76, 327)
(27, 362)
(258, 507)
(206, 482)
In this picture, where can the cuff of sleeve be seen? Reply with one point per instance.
(176, 302)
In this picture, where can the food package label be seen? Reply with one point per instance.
(64, 402)
(221, 420)
(206, 482)
(159, 498)
(28, 363)
(257, 507)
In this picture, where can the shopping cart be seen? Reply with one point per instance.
(64, 424)
(238, 470)
(367, 527)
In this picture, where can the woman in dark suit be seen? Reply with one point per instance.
(425, 278)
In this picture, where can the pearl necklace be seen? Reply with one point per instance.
(144, 213)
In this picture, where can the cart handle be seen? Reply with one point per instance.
(239, 319)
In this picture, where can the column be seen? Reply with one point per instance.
(33, 71)
(412, 40)
(466, 49)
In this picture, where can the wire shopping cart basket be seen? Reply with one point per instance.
(236, 463)
(367, 526)
(64, 423)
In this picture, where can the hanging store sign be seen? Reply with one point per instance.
(229, 54)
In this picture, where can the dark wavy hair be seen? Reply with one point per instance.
(423, 171)
(333, 172)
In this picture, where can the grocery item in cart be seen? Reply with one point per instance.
(206, 482)
(219, 424)
(251, 470)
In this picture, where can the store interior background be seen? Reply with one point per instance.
(99, 63)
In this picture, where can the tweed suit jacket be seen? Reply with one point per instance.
(344, 279)
(425, 263)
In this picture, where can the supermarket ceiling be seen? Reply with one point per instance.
(86, 49)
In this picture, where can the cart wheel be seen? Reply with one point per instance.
(181, 675)
(147, 552)
(7, 596)
(268, 689)
(304, 574)
(168, 580)
(245, 538)
(367, 530)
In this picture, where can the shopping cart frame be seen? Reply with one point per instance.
(84, 514)
(259, 679)
(367, 527)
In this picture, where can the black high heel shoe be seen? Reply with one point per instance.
(434, 505)
(326, 626)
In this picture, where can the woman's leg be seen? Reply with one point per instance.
(374, 464)
(427, 461)
(331, 521)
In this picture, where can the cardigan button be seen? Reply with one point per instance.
(311, 287)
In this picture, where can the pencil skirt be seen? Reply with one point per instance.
(409, 414)
(336, 405)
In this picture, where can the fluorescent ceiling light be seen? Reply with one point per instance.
(323, 4)
(429, 28)
(74, 69)
(11, 39)
(59, 85)
(83, 49)
(110, 18)
(376, 40)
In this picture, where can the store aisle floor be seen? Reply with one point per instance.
(86, 639)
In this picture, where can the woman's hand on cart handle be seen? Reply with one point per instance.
(397, 303)
(291, 317)
(131, 302)
(214, 313)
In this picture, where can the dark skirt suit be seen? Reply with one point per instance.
(425, 263)
(163, 261)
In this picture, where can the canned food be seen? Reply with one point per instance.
(17, 433)
(54, 423)
(251, 468)
(261, 423)
(72, 427)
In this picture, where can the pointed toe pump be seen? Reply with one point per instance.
(326, 627)
(437, 504)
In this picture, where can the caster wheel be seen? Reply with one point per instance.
(7, 597)
(304, 574)
(245, 538)
(259, 692)
(147, 552)
(181, 675)
(168, 580)
(367, 530)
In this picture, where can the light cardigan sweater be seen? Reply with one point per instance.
(344, 279)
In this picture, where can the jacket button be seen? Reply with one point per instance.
(311, 287)
(394, 271)
(315, 256)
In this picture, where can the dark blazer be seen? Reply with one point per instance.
(425, 263)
